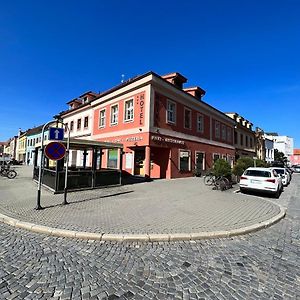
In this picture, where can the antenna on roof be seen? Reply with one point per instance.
(122, 80)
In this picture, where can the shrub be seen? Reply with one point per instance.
(221, 168)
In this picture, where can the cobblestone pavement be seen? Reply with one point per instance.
(163, 206)
(261, 265)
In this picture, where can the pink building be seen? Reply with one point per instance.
(295, 158)
(167, 131)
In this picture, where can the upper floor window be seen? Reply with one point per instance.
(200, 123)
(171, 112)
(247, 141)
(187, 118)
(66, 126)
(223, 132)
(114, 111)
(78, 124)
(241, 139)
(128, 110)
(102, 118)
(251, 142)
(86, 122)
(71, 125)
(229, 136)
(217, 129)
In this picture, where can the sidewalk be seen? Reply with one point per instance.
(179, 209)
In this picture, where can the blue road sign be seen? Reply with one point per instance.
(55, 150)
(56, 134)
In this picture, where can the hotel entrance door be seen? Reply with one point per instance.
(139, 162)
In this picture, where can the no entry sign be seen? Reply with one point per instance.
(55, 150)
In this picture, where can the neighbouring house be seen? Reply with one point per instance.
(295, 158)
(244, 136)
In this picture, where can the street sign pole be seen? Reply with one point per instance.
(67, 165)
(38, 200)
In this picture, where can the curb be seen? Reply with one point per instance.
(140, 237)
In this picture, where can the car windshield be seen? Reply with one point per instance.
(258, 173)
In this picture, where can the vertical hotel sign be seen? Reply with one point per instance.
(140, 101)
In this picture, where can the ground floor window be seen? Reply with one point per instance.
(184, 160)
(112, 161)
(216, 156)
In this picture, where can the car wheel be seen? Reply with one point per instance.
(242, 190)
(277, 194)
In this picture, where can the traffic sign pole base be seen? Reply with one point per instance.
(65, 198)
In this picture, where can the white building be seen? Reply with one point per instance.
(282, 143)
(269, 150)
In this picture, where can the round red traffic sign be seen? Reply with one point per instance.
(55, 150)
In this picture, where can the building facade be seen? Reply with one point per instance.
(244, 136)
(295, 158)
(167, 131)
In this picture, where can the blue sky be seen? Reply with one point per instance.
(245, 54)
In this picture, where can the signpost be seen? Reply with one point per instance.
(55, 151)
(56, 134)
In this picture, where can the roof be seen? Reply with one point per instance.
(35, 130)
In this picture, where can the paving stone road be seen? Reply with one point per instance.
(261, 265)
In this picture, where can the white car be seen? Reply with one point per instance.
(285, 175)
(261, 180)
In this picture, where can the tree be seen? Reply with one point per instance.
(280, 157)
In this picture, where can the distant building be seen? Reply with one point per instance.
(295, 158)
(282, 143)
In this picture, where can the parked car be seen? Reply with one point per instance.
(285, 175)
(296, 168)
(263, 180)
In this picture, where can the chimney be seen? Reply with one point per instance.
(196, 92)
(176, 79)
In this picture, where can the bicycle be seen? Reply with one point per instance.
(6, 171)
(209, 179)
(222, 183)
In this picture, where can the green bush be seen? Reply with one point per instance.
(221, 168)
(242, 164)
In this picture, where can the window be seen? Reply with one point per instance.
(71, 125)
(200, 123)
(66, 126)
(216, 157)
(217, 129)
(251, 142)
(102, 118)
(128, 110)
(184, 160)
(78, 124)
(187, 118)
(171, 112)
(235, 137)
(246, 141)
(223, 132)
(229, 134)
(242, 139)
(114, 111)
(86, 122)
(112, 161)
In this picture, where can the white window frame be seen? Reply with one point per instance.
(202, 123)
(184, 110)
(127, 109)
(104, 118)
(171, 112)
(189, 164)
(113, 115)
(78, 123)
(214, 156)
(86, 118)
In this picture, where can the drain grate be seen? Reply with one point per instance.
(186, 264)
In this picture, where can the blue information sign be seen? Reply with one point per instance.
(56, 134)
(55, 150)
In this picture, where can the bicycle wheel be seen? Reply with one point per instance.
(220, 184)
(11, 174)
(208, 180)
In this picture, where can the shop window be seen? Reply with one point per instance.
(184, 160)
(216, 156)
(114, 111)
(171, 112)
(102, 118)
(112, 161)
(86, 122)
(187, 118)
(200, 123)
(128, 110)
